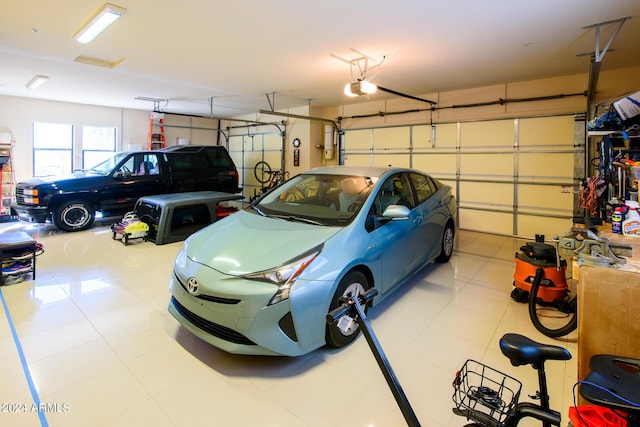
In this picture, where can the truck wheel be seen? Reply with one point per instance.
(74, 215)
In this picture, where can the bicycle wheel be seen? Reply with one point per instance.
(262, 172)
(553, 319)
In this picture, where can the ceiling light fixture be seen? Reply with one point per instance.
(36, 81)
(99, 22)
(99, 62)
(360, 87)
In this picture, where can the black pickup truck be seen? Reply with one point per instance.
(113, 186)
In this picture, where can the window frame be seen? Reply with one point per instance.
(75, 150)
(46, 128)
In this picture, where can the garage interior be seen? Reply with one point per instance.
(497, 101)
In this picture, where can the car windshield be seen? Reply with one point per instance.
(320, 199)
(105, 168)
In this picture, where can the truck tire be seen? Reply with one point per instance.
(74, 215)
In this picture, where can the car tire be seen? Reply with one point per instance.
(74, 215)
(446, 246)
(354, 283)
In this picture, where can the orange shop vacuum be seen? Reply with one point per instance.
(534, 255)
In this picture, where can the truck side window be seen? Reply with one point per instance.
(147, 165)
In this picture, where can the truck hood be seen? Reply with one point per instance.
(247, 243)
(58, 180)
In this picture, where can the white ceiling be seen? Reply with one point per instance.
(236, 57)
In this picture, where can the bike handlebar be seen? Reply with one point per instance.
(348, 305)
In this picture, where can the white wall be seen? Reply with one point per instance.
(18, 114)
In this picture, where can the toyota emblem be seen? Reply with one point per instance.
(193, 286)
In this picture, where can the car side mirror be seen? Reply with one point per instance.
(396, 212)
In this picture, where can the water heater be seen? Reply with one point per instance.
(329, 145)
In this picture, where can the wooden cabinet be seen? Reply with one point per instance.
(608, 314)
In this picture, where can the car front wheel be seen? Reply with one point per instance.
(74, 215)
(354, 283)
(446, 247)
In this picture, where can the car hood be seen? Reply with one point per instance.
(247, 243)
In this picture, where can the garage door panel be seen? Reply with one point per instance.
(421, 137)
(447, 135)
(481, 194)
(545, 166)
(545, 199)
(272, 142)
(357, 160)
(546, 131)
(273, 158)
(487, 222)
(436, 164)
(358, 140)
(235, 143)
(489, 134)
(490, 165)
(395, 160)
(391, 138)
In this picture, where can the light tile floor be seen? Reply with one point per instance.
(102, 350)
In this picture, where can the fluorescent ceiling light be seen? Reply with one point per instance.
(360, 87)
(106, 16)
(36, 81)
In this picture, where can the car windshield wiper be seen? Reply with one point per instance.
(299, 219)
(257, 209)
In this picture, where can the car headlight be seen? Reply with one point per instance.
(285, 275)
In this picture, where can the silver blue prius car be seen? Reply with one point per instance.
(262, 280)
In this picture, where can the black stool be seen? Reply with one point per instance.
(619, 375)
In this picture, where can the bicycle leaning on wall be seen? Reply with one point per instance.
(268, 177)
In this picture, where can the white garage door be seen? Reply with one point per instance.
(247, 150)
(512, 177)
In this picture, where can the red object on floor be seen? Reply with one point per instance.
(594, 415)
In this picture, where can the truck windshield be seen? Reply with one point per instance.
(108, 165)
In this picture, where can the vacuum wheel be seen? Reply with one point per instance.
(519, 295)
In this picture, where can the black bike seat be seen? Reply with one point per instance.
(617, 383)
(524, 351)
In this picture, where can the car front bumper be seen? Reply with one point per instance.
(37, 214)
(242, 322)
